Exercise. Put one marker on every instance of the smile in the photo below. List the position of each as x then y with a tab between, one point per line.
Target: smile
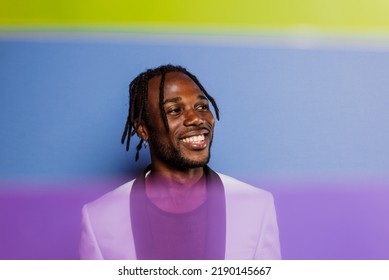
194	139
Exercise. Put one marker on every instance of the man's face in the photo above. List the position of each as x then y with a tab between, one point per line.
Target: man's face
187	144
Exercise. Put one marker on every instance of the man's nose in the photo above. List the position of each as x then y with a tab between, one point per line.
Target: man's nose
192	117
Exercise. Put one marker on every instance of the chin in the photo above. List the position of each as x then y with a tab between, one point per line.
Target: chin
200	157
186	163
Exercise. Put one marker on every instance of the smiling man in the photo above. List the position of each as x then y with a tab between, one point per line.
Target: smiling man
178	208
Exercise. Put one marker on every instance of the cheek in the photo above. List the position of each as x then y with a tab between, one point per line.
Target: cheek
210	119
174	129
156	124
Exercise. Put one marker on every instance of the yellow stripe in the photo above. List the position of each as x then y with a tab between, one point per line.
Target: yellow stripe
364	15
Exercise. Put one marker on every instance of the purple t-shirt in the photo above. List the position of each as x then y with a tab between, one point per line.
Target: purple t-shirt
178	236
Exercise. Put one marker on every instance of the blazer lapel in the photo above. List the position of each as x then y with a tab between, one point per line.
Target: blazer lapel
216	221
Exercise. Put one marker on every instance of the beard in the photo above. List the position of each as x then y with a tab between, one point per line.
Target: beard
173	156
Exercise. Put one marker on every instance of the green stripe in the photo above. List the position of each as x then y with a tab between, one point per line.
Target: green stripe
197	15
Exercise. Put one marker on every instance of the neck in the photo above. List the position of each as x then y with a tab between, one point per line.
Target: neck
176	177
176	191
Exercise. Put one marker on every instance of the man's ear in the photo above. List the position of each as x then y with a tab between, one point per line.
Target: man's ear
142	131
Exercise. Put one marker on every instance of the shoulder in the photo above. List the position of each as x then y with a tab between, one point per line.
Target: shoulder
240	195
111	201
105	230
234	186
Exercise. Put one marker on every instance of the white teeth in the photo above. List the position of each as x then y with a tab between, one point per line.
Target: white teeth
194	139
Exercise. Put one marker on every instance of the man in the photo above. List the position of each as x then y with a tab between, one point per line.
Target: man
178	208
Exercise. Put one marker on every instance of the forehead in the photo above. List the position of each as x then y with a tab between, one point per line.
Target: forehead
175	84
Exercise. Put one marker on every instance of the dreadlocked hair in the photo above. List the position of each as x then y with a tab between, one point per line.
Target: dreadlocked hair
138	94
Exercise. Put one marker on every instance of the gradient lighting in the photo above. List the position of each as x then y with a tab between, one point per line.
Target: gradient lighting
305	119
244	15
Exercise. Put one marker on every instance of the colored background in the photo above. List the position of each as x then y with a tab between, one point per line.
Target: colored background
302	88
228	15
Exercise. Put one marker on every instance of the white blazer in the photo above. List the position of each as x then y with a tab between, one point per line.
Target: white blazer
251	224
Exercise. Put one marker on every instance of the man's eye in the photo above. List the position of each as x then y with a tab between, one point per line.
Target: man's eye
203	107
173	111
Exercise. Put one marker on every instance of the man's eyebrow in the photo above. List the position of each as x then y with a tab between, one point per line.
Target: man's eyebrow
178	98
172	100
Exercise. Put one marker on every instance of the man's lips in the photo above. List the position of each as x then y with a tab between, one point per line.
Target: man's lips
194	133
196	139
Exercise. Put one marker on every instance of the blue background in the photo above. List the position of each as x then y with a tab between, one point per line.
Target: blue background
285	112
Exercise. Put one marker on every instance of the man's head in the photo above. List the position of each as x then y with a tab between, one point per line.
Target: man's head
169	109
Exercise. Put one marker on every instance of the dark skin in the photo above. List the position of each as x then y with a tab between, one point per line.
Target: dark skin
171	186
